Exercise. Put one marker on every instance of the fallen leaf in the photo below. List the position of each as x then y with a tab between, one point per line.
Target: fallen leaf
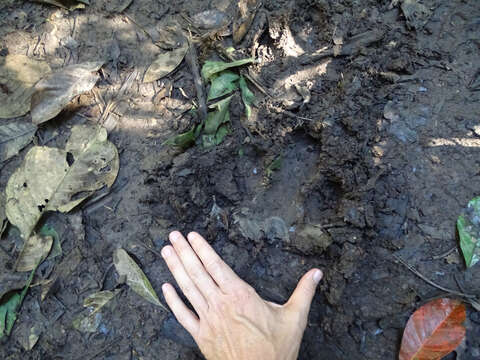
49	231
245	15
51	179
434	330
99	299
18	74
14	137
210	19
212	67
166	62
66	4
247	97
89	320
184	140
135	277
56	90
10	305
222	85
34	251
468	225
212	135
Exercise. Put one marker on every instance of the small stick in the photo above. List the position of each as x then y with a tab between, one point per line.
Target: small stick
192	61
416	272
436	257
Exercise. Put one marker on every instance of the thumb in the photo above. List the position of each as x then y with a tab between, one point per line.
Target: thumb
301	298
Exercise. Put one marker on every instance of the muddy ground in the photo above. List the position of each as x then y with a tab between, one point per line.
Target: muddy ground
378	162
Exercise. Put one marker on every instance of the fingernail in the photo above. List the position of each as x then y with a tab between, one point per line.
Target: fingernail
174	236
166	252
317	276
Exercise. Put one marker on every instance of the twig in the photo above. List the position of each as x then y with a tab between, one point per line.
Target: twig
440	256
192	61
421	276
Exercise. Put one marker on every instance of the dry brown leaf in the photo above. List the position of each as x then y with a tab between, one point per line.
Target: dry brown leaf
56	90
18	74
14	136
166	62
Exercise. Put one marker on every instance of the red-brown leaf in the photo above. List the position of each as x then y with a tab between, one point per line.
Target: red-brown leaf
434	330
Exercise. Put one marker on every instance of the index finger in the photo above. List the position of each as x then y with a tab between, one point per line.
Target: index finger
223	275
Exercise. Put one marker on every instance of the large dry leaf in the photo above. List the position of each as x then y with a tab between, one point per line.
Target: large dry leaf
135	277
34	251
51	179
56	90
166	62
14	137
18	74
434	330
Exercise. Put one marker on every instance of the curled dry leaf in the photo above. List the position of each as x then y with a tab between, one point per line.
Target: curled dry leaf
136	279
434	330
56	90
468	225
18	74
34	251
51	179
166	62
14	136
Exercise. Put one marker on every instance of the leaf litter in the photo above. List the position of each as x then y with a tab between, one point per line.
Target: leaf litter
89	320
56	90
52	179
135	278
34	251
18	75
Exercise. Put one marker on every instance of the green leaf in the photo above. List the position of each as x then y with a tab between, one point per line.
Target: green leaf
212	67
218	117
276	164
10	305
184	140
222	85
248	97
135	277
47	230
468	225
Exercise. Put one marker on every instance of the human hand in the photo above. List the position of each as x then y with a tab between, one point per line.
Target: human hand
233	322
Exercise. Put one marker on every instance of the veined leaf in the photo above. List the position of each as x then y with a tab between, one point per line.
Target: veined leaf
166	62
468	225
99	299
247	96
135	277
212	67
215	124
18	74
56	90
14	137
222	85
51	179
434	330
